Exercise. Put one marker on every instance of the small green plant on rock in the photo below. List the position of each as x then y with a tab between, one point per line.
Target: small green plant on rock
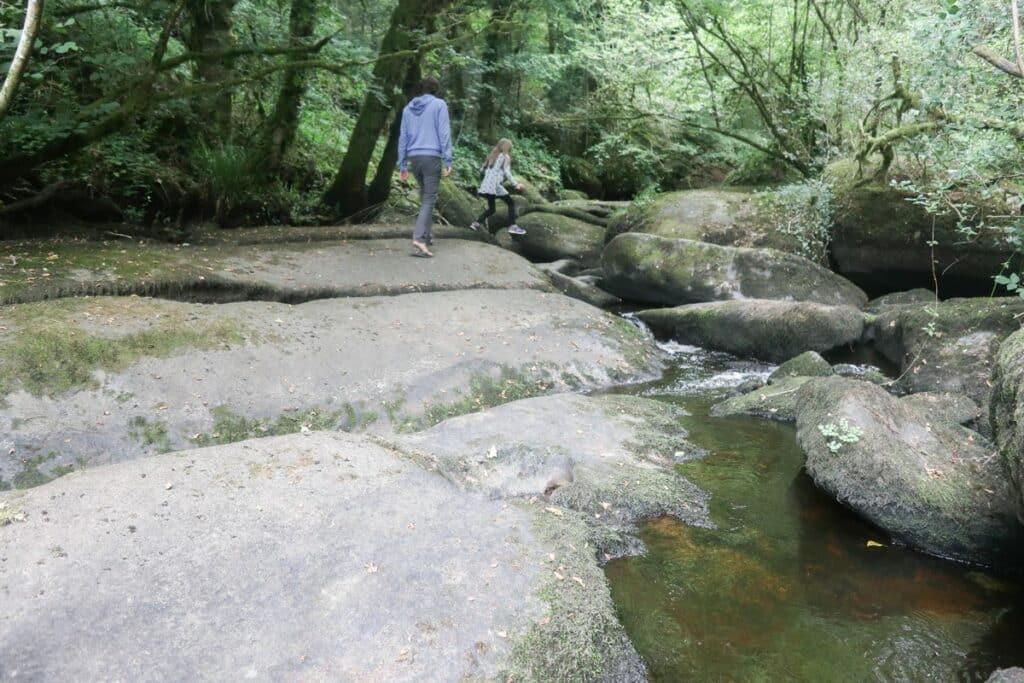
9	514
841	434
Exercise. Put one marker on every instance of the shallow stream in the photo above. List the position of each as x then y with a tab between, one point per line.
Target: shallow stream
792	586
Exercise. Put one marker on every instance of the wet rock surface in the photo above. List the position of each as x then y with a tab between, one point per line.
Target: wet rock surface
930	483
654	269
776	401
770	330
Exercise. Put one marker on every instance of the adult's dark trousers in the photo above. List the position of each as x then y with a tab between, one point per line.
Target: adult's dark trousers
427	171
492	207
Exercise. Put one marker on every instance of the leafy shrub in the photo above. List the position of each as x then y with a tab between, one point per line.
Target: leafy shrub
803	211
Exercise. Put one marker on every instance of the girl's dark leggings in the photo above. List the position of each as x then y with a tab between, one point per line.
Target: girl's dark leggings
491	209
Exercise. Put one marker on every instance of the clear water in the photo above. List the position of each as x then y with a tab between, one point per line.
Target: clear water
791	586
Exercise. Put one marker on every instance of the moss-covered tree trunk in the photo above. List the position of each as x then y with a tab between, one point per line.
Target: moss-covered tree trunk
349	193
280	128
210	31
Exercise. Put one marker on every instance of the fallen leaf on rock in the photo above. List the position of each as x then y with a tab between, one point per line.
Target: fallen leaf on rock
371	568
554	511
874	544
579	581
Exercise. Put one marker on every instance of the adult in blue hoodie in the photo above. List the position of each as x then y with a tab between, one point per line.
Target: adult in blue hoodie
424	143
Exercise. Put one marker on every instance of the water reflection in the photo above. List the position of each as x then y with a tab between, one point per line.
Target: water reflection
791	586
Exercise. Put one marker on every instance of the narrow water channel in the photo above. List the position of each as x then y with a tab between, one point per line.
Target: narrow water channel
791	586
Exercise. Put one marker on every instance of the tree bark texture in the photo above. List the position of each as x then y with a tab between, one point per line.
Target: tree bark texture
349	193
33	15
280	128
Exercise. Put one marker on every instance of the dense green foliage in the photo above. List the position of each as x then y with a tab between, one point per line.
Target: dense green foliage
245	110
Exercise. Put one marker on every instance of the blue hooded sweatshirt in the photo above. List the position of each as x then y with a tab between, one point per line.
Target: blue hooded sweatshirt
426	131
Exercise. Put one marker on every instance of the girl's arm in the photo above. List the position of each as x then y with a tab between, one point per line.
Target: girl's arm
508	172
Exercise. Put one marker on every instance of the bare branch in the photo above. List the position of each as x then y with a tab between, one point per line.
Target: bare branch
997	60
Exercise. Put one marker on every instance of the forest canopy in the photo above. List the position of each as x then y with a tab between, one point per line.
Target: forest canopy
163	111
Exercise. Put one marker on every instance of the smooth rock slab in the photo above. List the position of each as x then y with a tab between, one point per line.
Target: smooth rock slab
307	557
932	484
365	363
609	457
288	272
770	330
678	271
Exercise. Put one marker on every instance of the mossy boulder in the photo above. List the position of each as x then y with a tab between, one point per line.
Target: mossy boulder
776	401
947	346
735	218
807	364
944	405
908	298
457	205
678	271
880	234
770	330
1008	411
550	237
1014	675
931	484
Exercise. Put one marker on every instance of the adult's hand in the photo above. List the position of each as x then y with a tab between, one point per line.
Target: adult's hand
404	176
447	171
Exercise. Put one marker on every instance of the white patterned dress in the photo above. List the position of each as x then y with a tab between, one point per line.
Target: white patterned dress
495	176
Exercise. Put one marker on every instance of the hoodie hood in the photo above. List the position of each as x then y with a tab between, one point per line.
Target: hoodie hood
420	104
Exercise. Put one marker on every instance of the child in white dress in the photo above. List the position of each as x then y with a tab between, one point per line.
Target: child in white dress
496	170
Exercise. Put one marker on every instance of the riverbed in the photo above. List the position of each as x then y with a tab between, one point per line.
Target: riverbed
791	585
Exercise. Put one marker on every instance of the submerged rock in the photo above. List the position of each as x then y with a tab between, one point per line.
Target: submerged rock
609	457
949	346
807	364
1014	675
550	237
770	330
314	556
675	271
1008	411
94	381
930	483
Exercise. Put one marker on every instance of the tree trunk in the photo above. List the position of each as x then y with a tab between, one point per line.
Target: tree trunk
210	31
348	192
380	188
495	79
279	130
33	13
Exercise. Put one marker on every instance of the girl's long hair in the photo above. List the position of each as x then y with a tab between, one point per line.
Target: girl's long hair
504	146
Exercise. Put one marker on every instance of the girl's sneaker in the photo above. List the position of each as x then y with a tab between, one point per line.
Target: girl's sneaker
514	229
475	225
